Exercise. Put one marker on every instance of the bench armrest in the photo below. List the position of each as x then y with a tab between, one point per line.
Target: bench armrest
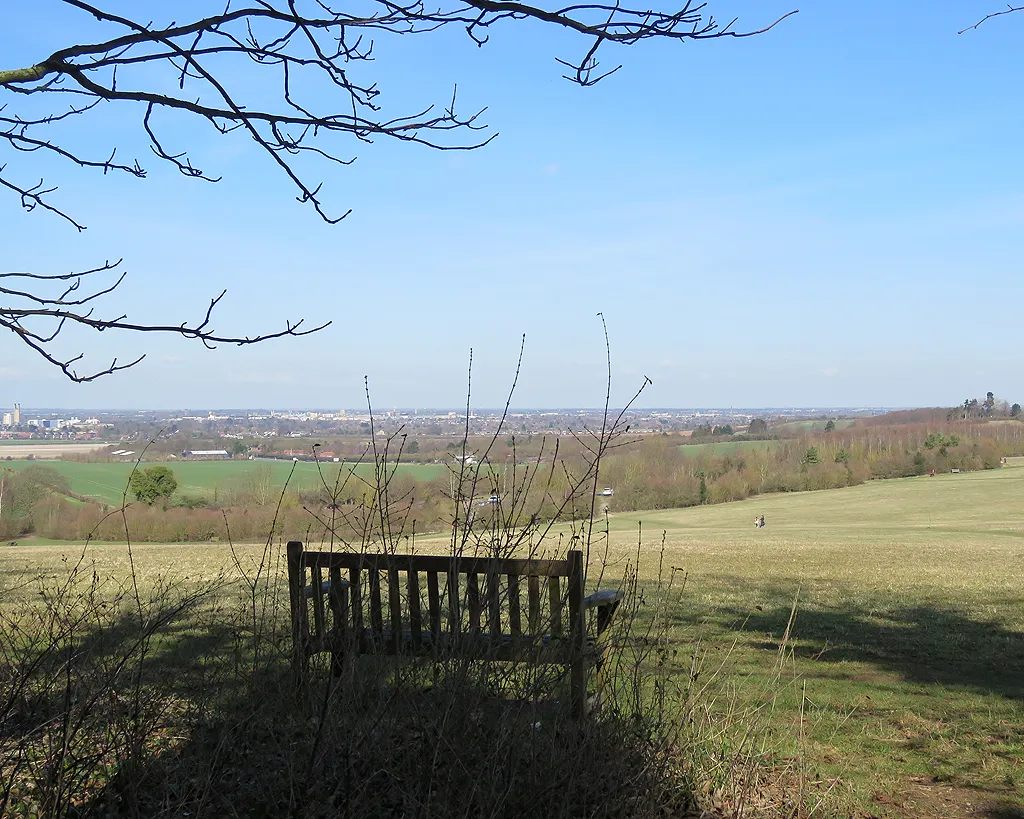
606	602
600	599
325	588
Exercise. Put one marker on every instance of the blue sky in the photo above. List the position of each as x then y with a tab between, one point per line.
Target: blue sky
828	214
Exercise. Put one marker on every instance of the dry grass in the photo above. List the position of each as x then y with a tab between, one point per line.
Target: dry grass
899	687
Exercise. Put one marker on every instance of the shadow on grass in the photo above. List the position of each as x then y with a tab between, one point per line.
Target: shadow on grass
1005	811
199	725
922	643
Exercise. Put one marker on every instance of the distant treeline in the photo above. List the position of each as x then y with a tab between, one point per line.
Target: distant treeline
520	478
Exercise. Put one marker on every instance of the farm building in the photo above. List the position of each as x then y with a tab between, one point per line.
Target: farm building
206	454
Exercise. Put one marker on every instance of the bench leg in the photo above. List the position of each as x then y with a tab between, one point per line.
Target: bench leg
578	687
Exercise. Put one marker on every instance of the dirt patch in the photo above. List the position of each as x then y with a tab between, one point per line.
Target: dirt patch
922	797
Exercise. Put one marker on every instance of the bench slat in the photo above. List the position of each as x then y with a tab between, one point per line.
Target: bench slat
395	604
433	563
376	615
318	602
476	626
515	624
355	592
454	608
415	623
473	602
540	649
434	601
494	604
555	595
338	596
533	591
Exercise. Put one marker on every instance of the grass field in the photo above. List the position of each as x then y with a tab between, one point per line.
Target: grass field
206	479
909	633
816	425
901	690
726	447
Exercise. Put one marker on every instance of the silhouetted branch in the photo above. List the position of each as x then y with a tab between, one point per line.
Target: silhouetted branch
207	68
305	42
1008	10
38	317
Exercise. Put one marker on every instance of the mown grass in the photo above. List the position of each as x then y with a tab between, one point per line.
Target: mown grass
899	692
207	479
904	690
725	447
816	425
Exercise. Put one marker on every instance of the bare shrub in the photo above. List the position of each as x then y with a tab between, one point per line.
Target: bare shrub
177	699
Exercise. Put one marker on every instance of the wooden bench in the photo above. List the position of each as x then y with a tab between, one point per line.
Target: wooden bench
476	608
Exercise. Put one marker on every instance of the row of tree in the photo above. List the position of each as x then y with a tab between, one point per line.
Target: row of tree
655	472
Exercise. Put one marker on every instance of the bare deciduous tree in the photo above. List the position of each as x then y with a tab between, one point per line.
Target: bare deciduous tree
312	53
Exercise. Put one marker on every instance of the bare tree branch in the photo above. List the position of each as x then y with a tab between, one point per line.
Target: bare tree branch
305	43
218	69
37	316
1008	10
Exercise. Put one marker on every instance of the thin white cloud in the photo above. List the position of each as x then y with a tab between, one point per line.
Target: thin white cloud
10	372
830	372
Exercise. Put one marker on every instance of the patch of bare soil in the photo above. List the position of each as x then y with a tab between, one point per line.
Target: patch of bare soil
922	797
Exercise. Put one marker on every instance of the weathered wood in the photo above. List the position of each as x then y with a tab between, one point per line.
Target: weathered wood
376	614
300	627
434	602
494	603
356	593
433	563
476	616
577	635
454	604
606	603
338	596
533	591
395	605
318	604
555	601
473	602
415	623
515	623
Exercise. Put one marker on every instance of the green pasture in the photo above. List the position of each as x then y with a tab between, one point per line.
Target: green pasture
900	690
902	686
207	479
816	425
726	447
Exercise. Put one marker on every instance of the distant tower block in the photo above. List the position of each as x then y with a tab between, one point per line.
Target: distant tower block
17	414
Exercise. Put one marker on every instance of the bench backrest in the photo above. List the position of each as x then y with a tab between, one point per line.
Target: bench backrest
413	602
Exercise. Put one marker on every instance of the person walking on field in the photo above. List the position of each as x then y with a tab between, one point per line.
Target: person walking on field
760	522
